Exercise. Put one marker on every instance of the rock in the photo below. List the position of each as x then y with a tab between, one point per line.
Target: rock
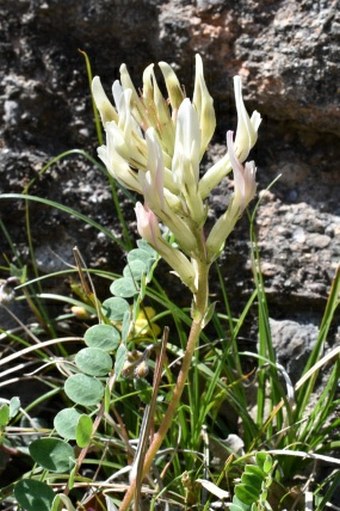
286	56
286	52
318	241
293	343
302	264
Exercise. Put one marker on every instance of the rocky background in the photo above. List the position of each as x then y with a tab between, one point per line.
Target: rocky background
286	53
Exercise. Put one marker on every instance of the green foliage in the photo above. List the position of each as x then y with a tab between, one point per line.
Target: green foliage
84	390
53	454
65	423
252	492
84	431
124	287
33	495
122	354
104	337
114	309
93	361
98	381
14	406
62	501
4	415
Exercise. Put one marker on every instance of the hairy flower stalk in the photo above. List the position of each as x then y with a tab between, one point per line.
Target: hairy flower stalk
154	147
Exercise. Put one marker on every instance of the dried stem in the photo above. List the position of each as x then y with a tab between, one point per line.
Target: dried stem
200	307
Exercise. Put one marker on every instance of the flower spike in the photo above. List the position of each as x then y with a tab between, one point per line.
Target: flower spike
154	146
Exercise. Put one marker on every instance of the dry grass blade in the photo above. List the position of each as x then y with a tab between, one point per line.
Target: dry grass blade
323	361
42	344
86	281
305	455
137	467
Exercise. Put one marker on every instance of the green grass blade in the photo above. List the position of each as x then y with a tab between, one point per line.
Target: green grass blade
266	350
333	302
96	117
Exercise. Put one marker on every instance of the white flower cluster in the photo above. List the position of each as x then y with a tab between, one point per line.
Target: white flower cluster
154	146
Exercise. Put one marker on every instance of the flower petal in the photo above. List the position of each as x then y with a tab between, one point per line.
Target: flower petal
106	109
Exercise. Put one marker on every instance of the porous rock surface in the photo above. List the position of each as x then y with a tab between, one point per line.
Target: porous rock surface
286	53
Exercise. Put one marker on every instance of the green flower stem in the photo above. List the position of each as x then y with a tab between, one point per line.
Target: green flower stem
200	308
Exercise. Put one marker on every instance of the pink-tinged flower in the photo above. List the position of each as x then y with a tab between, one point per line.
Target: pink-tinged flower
148	228
244	191
147	224
154	146
158	197
244	177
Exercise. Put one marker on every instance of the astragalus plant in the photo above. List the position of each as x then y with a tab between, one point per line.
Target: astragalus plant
154	147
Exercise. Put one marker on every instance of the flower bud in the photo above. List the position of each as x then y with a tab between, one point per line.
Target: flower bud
129	140
203	103
187	145
142	369
147	225
153	180
158	111
176	95
137	106
219	233
80	312
246	132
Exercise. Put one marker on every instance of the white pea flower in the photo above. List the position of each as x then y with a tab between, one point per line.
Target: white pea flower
185	163
204	105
